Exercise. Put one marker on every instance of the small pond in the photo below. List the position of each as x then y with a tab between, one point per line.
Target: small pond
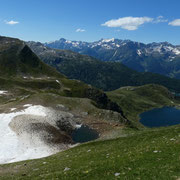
159	117
84	134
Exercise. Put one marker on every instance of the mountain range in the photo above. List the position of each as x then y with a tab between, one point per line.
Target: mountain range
162	58
106	75
41	109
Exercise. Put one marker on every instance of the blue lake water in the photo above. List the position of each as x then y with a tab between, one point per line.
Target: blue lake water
84	134
159	117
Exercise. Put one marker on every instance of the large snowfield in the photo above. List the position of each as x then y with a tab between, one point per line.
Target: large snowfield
11	148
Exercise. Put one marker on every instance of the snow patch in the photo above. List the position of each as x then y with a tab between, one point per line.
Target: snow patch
108	40
106	46
158	48
114	54
117	45
168	48
123	44
78	126
139	52
3	92
69	42
176	51
58	81
171	58
12	150
27	105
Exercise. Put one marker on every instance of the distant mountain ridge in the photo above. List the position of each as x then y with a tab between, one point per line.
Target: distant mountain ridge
103	75
162	58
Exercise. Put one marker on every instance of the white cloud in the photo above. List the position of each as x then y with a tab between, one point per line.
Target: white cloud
160	19
80	30
129	23
176	22
11	22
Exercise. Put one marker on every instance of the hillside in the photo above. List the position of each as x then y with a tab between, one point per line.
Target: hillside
152	154
135	100
20	66
162	58
40	108
16	59
103	75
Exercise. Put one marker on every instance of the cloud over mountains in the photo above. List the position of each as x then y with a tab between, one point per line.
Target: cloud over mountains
129	23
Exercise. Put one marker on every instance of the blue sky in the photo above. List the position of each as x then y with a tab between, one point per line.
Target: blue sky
89	20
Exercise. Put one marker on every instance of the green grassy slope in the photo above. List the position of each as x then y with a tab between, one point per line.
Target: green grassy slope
152	154
135	100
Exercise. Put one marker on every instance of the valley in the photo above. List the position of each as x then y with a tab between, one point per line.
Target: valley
40	109
89	90
107	76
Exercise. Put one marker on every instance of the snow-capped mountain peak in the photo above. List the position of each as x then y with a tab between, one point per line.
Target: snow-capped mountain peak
108	40
164	49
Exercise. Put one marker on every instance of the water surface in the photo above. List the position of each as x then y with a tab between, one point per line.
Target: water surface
84	134
159	117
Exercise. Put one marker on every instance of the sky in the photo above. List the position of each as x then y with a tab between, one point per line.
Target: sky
90	20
